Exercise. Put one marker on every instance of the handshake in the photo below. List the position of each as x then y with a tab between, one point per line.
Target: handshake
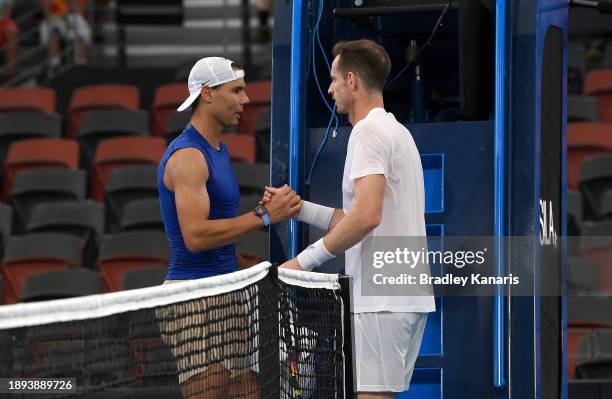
281	203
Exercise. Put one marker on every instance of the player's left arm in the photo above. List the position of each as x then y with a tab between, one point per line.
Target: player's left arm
364	217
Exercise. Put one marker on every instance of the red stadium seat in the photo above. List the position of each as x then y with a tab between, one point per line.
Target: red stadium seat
573	338
132	250
38	153
599	85
122	151
583	140
260	97
241	147
30	254
92	98
27	99
167	99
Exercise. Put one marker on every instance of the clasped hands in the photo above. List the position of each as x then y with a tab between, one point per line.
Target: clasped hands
281	203
286	202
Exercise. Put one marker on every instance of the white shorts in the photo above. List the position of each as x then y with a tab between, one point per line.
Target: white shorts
386	348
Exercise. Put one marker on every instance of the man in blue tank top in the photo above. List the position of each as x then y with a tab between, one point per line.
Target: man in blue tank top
199	199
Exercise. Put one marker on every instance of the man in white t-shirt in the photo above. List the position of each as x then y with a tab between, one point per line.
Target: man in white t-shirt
382	195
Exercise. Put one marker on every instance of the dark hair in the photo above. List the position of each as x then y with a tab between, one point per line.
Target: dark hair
196	102
367	59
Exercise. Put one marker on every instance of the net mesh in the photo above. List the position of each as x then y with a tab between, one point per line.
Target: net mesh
269	338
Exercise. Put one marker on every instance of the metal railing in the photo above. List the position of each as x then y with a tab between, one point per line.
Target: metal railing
32	60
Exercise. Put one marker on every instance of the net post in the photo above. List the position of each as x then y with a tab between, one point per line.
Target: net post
273	273
273	328
347	330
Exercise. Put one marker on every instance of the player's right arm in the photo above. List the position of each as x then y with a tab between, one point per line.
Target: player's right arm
186	174
336	218
323	217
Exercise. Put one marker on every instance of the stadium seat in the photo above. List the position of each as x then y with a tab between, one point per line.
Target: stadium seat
130	250
595	180
122	151
90	98
241	147
598	84
142	214
27	99
607	61
145	277
167	99
176	124
263	135
585	313
248	202
44	185
36	154
254	246
251	179
589	311
582	277
606	204
125	185
83	219
583	140
596	246
574	208
582	109
6	226
104	124
34	253
597	360
61	284
17	126
260	97
577	66
574	221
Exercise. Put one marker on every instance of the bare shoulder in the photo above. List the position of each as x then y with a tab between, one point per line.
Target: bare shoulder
185	166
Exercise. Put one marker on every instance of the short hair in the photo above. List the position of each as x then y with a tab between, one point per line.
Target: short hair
367	59
196	102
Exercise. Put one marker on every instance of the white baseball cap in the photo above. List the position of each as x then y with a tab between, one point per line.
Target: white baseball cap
209	71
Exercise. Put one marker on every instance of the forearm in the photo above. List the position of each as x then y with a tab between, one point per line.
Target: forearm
350	229
220	232
338	216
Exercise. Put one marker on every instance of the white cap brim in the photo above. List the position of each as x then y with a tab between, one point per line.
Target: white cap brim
188	102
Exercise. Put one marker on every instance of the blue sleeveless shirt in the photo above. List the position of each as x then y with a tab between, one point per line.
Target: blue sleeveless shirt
224	201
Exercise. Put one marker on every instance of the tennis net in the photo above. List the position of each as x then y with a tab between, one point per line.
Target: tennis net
257	333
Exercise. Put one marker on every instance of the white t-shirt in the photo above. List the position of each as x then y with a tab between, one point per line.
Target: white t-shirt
379	144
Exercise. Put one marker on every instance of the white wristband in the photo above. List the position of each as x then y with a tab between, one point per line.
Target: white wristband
314	256
316	215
